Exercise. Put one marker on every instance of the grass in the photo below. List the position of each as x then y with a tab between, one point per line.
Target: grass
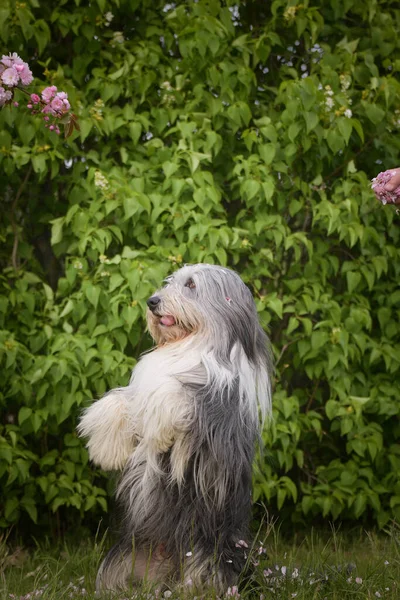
310	566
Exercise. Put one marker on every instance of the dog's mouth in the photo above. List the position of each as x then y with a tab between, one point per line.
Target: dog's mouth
167	321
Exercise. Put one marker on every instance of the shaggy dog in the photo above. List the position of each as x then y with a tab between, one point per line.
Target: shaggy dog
183	433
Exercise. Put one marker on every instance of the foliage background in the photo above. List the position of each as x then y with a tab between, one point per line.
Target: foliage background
207	135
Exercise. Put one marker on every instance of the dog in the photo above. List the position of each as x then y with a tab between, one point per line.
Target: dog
183	433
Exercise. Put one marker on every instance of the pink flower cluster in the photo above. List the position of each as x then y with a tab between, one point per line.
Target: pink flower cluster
378	186
56	102
15	74
53	103
13	71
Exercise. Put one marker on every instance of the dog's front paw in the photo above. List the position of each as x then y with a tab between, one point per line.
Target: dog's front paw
110	437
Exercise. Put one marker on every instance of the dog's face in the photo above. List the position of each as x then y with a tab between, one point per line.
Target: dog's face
203	299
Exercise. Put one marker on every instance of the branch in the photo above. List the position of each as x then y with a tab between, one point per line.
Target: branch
285	347
346	162
14	260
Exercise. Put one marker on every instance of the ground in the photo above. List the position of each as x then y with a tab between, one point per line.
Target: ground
312	565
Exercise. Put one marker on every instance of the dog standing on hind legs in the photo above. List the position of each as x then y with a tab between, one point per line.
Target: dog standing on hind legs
183	433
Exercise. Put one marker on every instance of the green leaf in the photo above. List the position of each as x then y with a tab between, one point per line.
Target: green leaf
353	279
331	409
251	188
39	163
312	120
42	34
28	505
359	505
281	497
345	127
92	293
11	505
267	153
169	168
86	126
56	230
374	113
276	305
335	140
24	413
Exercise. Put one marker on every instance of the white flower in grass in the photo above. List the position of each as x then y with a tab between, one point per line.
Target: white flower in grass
359	580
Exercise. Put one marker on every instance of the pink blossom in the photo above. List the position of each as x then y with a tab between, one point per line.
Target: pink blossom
49	93
5	96
11	59
25	74
35	98
10	77
20	70
56	105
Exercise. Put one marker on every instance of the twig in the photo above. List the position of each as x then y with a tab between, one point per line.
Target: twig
346	162
311	400
285	347
14	260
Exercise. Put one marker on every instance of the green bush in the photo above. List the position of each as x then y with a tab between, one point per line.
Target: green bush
242	134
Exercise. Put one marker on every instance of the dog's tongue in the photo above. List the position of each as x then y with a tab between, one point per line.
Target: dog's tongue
167	321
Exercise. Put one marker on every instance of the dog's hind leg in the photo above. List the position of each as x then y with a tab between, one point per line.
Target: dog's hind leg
213	572
123	567
116	570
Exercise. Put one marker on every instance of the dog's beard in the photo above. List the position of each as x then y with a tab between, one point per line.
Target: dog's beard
166	328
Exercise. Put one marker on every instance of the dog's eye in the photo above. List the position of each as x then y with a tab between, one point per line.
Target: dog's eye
190	284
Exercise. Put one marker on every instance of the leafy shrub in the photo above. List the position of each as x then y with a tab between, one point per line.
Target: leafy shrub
242	134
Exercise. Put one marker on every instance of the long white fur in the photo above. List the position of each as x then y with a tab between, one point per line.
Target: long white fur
136	423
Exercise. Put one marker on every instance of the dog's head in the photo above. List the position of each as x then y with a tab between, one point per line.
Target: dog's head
206	300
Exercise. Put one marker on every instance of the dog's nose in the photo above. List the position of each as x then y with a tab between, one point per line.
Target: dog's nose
153	302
